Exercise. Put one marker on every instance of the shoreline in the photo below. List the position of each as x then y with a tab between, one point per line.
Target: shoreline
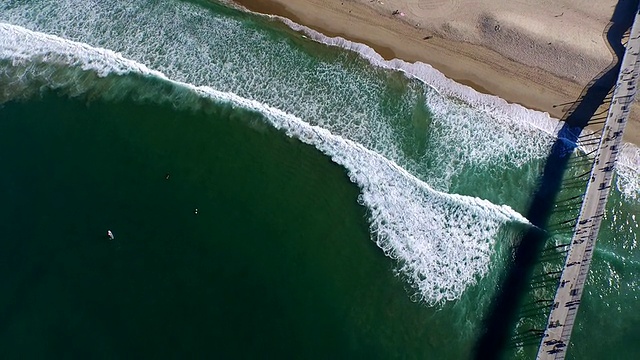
477	66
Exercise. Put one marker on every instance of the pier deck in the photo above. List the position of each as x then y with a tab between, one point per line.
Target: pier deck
567	299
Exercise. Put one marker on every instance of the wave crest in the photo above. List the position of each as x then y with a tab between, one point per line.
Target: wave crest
443	242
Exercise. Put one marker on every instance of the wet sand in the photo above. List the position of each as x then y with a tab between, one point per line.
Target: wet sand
538	55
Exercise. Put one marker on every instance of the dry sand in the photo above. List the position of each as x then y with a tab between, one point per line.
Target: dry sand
535	53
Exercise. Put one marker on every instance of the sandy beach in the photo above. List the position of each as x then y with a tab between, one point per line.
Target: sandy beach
535	54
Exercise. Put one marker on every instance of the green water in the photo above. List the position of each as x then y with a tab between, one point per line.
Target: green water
277	261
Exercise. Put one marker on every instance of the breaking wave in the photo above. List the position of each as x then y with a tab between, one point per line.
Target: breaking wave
627	167
443	242
410	120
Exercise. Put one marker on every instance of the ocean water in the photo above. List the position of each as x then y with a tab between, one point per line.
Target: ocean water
346	206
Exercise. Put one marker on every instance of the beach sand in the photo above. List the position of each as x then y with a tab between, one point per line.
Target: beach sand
537	54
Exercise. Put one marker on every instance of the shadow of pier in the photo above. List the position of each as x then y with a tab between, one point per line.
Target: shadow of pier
504	312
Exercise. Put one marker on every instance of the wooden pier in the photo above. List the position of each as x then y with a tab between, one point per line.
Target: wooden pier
567	299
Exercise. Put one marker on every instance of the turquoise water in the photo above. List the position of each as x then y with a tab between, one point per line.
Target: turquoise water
297	156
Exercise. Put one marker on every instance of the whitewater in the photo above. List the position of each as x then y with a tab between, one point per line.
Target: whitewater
443	242
192	44
410	221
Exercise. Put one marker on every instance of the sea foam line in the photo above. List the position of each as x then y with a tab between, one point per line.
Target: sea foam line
490	104
443	242
432	136
628	166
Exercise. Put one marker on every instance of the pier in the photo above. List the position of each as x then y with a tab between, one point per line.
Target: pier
564	308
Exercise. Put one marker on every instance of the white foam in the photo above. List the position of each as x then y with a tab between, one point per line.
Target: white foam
193	45
473	138
443	242
628	171
179	39
628	166
493	105
343	94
